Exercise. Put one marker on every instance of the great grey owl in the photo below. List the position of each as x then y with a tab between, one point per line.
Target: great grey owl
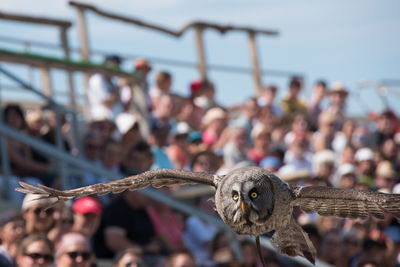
253	201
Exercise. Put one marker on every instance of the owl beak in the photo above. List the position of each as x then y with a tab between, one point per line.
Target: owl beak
242	206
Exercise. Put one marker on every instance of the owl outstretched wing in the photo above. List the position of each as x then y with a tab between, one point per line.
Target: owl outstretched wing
156	178
346	203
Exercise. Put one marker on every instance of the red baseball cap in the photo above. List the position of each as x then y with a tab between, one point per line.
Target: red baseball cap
195	86
87	205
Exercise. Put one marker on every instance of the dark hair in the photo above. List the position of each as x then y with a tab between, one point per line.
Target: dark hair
18	110
163	76
207	153
33	238
172	257
135	251
321	83
295	82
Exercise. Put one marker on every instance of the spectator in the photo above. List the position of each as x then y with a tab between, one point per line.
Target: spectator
181	259
297	156
199	234
384	129
38	214
261	139
104	127
323	138
249	254
365	166
314	106
267	98
299	126
214	122
11	233
167	225
125	224
291	104
330	248
235	150
63	220
111	155
87	216
177	151
73	250
247	117
205	161
91	152
103	93
35	251
385	177
139	159
158	140
271	164
324	166
131	257
21	156
128	126
163	86
337	107
344	137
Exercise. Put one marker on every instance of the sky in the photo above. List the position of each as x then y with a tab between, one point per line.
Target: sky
349	41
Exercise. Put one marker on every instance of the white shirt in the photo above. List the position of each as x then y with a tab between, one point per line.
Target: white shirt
99	91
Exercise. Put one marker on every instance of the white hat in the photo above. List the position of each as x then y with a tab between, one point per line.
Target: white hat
214	114
31	200
324	156
125	122
181	128
364	154
346	168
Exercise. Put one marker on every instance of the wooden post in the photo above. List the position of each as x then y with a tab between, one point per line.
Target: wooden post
71	88
84	47
256	66
46	81
200	52
83	34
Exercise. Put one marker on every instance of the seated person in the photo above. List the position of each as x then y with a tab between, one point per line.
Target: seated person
126	224
73	250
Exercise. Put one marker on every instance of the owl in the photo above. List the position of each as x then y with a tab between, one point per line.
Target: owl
253	201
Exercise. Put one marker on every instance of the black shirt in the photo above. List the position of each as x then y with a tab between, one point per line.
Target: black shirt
137	224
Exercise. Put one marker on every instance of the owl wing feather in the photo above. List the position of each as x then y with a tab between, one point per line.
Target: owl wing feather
156	178
346	203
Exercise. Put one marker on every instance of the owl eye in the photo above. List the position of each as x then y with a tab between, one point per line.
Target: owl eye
235	196
253	195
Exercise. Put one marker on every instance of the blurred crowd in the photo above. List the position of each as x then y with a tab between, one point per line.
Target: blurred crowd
304	141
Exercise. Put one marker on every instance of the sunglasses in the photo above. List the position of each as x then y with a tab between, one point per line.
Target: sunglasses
86	255
135	263
39	211
36	256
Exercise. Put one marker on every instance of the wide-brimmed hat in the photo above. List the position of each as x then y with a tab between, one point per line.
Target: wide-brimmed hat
338	87
214	114
385	169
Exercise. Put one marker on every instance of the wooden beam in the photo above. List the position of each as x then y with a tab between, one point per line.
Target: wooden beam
176	33
37	20
202	65
46	81
256	66
47	62
71	87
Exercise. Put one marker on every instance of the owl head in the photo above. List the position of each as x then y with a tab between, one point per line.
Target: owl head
245	197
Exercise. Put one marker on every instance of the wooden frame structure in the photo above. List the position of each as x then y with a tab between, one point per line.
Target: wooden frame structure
63	27
198	26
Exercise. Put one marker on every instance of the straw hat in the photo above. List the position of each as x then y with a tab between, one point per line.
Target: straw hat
338	87
385	169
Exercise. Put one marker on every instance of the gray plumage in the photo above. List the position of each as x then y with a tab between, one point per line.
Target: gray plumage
253	201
